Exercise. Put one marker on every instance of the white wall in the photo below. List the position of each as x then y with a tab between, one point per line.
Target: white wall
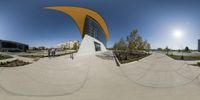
87	46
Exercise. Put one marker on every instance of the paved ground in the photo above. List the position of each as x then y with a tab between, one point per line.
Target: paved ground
193	53
156	77
158	70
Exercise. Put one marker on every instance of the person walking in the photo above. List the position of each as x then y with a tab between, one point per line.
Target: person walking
53	52
49	52
71	56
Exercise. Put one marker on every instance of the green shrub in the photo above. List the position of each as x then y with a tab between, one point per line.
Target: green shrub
198	63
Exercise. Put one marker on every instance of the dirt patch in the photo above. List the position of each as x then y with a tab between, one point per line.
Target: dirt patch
126	57
14	63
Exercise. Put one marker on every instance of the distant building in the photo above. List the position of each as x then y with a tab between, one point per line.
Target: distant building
68	44
11	46
199	45
33	48
41	48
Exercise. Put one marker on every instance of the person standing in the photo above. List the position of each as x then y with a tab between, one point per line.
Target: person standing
72	56
53	52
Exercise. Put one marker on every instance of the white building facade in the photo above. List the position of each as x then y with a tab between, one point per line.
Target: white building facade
68	44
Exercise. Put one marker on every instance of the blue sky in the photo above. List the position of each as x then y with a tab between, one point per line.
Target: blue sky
27	21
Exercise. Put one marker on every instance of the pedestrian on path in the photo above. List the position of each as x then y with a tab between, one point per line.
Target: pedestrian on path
71	56
49	52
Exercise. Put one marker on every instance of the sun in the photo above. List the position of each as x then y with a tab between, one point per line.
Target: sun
177	33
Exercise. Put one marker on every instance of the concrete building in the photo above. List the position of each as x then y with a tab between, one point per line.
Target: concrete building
199	45
68	44
11	46
93	28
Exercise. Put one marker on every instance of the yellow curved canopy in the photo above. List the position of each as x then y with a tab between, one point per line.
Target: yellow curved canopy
79	14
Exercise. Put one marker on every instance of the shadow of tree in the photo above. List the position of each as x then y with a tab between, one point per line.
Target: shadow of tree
105	56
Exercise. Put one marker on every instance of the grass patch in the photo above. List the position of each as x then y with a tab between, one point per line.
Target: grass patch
179	57
2	57
14	63
126	57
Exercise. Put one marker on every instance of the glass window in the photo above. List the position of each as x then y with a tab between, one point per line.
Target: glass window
93	29
97	46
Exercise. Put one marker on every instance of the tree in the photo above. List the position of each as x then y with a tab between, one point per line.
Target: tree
120	45
146	45
159	49
140	43
75	46
115	46
167	49
187	49
133	40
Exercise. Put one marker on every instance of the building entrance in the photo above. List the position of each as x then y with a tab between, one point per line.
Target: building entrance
97	46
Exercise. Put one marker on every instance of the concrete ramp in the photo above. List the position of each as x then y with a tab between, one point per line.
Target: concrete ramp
47	77
98	78
158	70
